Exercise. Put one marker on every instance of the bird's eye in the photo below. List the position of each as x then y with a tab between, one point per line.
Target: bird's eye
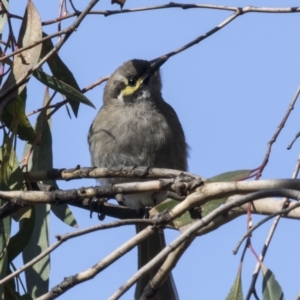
131	81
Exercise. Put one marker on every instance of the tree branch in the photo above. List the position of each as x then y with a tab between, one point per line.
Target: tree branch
68	33
63	238
189	232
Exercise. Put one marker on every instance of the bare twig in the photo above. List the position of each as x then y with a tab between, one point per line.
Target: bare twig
289	147
63	238
190	232
92	172
97	268
184	6
279	213
276	134
68	33
271	232
165	270
98	82
264	206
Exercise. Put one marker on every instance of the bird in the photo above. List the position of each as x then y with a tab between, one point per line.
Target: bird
136	127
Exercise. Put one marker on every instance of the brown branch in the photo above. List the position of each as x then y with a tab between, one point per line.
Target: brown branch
68	33
271	233
117	172
184	6
189	232
277	132
3	58
90	273
199	194
164	271
264	206
25	198
63	238
91	86
279	213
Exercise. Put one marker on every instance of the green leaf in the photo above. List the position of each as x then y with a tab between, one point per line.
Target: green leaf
6	169
64	213
228	176
30	32
60	71
15	113
236	291
11	293
37	277
62	87
231	176
168	204
4	239
270	287
11	177
20	240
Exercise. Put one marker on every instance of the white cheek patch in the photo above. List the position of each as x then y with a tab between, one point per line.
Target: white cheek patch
120	97
144	95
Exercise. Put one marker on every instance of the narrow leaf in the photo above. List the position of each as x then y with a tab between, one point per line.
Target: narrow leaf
270	286
231	176
15	112
37	277
228	176
62	87
236	291
64	213
168	204
20	240
7	167
60	71
30	32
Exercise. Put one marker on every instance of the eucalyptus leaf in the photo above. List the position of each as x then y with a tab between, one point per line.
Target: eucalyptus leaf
62	87
60	71
270	286
15	114
37	277
236	291
228	176
168	204
30	32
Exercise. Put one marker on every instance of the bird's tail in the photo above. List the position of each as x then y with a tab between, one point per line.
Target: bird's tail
147	250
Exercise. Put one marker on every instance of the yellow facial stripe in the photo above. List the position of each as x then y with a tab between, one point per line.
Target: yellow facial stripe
129	90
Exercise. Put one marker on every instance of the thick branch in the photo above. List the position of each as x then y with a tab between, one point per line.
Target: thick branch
92	172
190	232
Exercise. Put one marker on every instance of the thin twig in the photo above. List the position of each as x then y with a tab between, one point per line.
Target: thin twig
276	134
283	212
184	6
91	86
90	273
271	233
68	236
188	233
164	271
68	33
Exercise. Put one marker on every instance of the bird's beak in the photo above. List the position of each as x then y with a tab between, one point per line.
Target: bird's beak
154	66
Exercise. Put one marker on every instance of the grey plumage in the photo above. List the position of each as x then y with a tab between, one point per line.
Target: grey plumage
136	127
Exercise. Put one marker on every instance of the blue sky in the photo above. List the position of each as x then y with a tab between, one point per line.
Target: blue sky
230	92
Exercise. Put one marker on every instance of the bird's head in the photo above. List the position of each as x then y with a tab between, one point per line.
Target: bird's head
136	80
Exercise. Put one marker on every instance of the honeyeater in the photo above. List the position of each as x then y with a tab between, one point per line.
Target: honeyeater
136	127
